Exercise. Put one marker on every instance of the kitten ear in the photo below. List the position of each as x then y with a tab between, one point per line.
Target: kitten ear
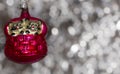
39	22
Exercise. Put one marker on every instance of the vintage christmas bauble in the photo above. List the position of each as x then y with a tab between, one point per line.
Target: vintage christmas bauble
25	39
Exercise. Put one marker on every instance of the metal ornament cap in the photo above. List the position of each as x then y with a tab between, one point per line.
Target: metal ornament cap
25	39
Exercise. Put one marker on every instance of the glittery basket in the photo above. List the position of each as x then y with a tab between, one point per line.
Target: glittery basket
25	42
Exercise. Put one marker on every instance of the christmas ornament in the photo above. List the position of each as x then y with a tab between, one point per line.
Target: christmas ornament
25	38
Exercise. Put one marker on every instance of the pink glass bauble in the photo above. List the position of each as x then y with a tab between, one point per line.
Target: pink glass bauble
25	39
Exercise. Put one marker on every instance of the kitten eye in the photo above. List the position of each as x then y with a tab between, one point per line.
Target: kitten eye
39	28
13	28
16	26
19	25
27	31
13	34
33	26
36	33
21	32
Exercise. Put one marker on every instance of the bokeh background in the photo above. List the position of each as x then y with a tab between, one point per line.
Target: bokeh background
83	36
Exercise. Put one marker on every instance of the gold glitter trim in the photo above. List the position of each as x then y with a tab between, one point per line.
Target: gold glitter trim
24	27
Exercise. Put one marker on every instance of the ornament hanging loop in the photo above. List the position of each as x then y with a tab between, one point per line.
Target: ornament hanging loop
24	4
24	7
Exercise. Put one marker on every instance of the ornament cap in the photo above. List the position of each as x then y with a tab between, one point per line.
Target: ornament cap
25	13
24	4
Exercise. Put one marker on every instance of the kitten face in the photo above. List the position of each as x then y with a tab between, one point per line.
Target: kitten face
24	27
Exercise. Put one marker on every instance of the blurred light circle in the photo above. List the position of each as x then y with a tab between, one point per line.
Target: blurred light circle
91	71
118	25
74	48
109	70
83	43
55	31
71	30
114	65
10	2
65	65
81	54
107	10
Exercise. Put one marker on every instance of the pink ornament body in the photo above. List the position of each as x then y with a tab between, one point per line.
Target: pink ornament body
25	48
